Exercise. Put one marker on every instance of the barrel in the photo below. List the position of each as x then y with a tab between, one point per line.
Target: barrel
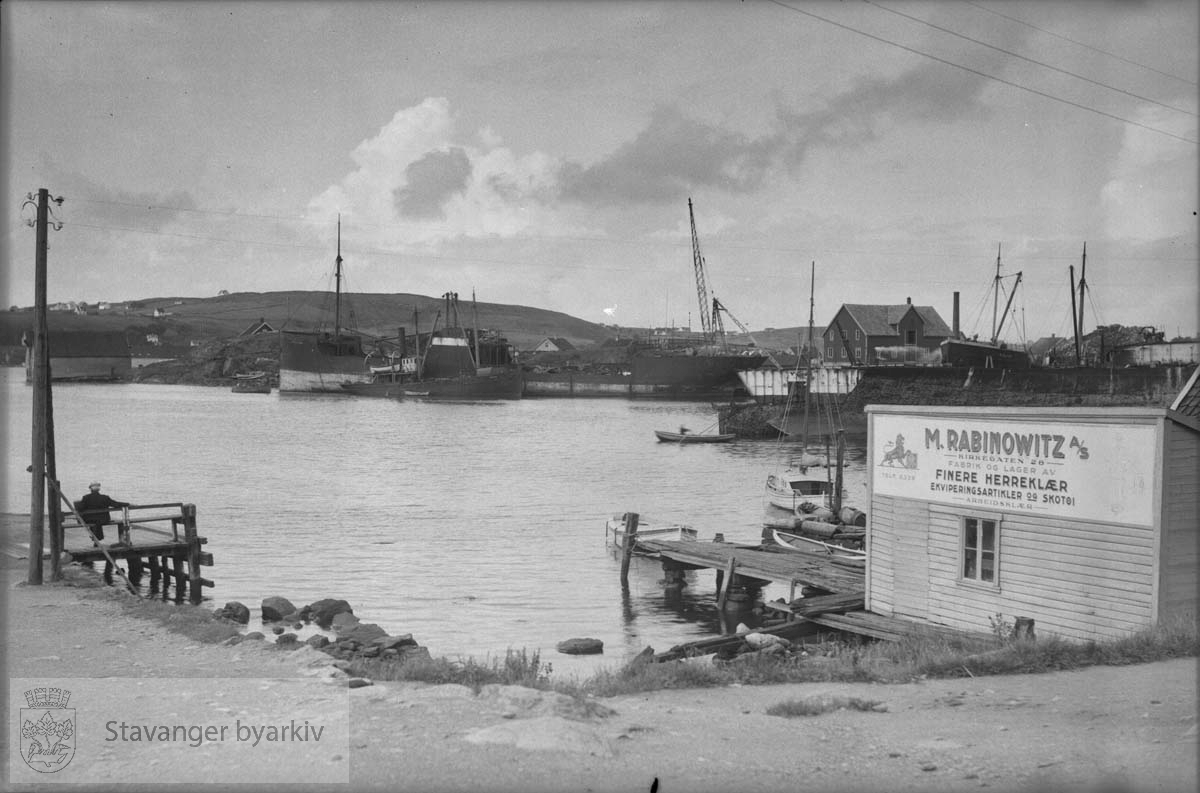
818	528
853	517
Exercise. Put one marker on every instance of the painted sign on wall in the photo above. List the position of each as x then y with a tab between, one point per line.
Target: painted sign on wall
1101	472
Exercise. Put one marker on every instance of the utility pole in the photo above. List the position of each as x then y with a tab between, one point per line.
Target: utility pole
41	382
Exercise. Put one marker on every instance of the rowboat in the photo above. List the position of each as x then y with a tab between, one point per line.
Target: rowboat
691	437
647	530
252	383
795	542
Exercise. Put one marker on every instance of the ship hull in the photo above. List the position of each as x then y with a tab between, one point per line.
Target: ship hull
700	377
497	385
959	352
313	363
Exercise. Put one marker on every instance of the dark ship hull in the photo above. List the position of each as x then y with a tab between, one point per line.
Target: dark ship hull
651	375
320	362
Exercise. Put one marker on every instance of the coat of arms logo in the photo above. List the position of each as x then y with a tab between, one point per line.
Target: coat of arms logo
47	730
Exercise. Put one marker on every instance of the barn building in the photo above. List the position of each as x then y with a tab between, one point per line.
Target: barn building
1084	520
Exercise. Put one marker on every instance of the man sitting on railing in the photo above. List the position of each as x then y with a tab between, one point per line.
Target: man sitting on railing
94	509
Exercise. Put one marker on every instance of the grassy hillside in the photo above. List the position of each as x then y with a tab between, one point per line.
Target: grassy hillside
186	320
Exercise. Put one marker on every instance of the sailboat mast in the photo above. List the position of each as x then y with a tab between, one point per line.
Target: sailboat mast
337	301
996	294
812	285
1082	286
475	323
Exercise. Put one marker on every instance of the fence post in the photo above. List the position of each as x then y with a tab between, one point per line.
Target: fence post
193	554
631	525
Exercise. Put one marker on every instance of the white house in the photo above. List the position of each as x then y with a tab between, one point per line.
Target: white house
1084	520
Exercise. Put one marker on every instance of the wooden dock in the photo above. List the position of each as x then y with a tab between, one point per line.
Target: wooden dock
835	599
815	570
168	555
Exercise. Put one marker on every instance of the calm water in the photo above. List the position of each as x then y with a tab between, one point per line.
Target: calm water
476	527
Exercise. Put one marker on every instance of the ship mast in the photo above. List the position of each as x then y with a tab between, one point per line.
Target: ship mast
808	352
337	302
996	293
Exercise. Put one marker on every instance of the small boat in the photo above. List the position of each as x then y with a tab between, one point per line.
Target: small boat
457	363
795	542
684	436
802	491
647	530
251	383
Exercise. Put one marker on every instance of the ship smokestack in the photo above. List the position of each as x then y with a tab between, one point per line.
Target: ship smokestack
956	334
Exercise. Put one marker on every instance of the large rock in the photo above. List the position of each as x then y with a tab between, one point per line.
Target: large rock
363	633
343	623
276	608
581	646
235	611
323	611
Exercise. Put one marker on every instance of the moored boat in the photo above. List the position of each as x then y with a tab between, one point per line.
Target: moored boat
684	436
251	383
614	531
457	364
796	542
321	361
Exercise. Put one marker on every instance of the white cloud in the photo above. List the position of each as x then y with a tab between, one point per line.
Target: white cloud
1153	191
502	194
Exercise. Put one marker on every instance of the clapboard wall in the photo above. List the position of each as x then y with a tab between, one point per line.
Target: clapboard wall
1078	579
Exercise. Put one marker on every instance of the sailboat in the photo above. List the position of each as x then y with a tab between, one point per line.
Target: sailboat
809	488
320	361
992	354
456	363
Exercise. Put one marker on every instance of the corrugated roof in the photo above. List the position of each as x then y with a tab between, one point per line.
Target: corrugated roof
882	320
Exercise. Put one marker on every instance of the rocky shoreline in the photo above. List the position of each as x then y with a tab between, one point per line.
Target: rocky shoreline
354	639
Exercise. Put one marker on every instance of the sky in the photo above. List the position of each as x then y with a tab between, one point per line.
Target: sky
545	153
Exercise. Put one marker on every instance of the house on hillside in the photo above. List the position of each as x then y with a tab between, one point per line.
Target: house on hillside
866	335
261	326
1078	523
554	344
83	355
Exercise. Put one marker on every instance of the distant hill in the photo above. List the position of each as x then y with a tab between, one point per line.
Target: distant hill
184	321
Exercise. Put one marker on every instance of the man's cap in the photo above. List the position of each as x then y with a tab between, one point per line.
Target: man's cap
94	484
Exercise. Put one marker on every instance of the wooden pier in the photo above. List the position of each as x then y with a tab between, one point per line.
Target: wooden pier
793	568
167	555
832	593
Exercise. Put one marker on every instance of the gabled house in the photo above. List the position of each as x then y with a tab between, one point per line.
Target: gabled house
861	335
262	326
554	344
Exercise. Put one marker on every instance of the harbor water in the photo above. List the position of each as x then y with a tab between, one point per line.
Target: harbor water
476	527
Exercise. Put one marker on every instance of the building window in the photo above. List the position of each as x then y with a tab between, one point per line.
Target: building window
829	352
856	334
910	337
980	547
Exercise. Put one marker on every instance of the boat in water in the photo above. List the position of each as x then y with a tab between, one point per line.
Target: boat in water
682	365
453	363
686	436
810	487
991	354
614	531
322	361
251	383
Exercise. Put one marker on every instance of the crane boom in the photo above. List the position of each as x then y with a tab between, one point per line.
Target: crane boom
717	308
706	324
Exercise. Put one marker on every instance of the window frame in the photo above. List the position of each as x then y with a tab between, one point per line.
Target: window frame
979	518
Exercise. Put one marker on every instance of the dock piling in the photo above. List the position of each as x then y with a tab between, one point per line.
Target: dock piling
631	525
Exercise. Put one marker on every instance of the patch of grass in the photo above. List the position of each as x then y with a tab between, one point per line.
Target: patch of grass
815	706
517	668
194	622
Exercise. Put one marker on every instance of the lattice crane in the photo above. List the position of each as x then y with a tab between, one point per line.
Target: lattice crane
706	322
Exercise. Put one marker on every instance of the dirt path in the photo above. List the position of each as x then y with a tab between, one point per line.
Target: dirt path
1106	728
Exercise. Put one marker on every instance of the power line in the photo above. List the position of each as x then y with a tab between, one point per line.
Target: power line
985	75
1030	60
1081	44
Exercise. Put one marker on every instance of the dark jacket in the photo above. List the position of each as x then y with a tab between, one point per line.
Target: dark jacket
94	509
